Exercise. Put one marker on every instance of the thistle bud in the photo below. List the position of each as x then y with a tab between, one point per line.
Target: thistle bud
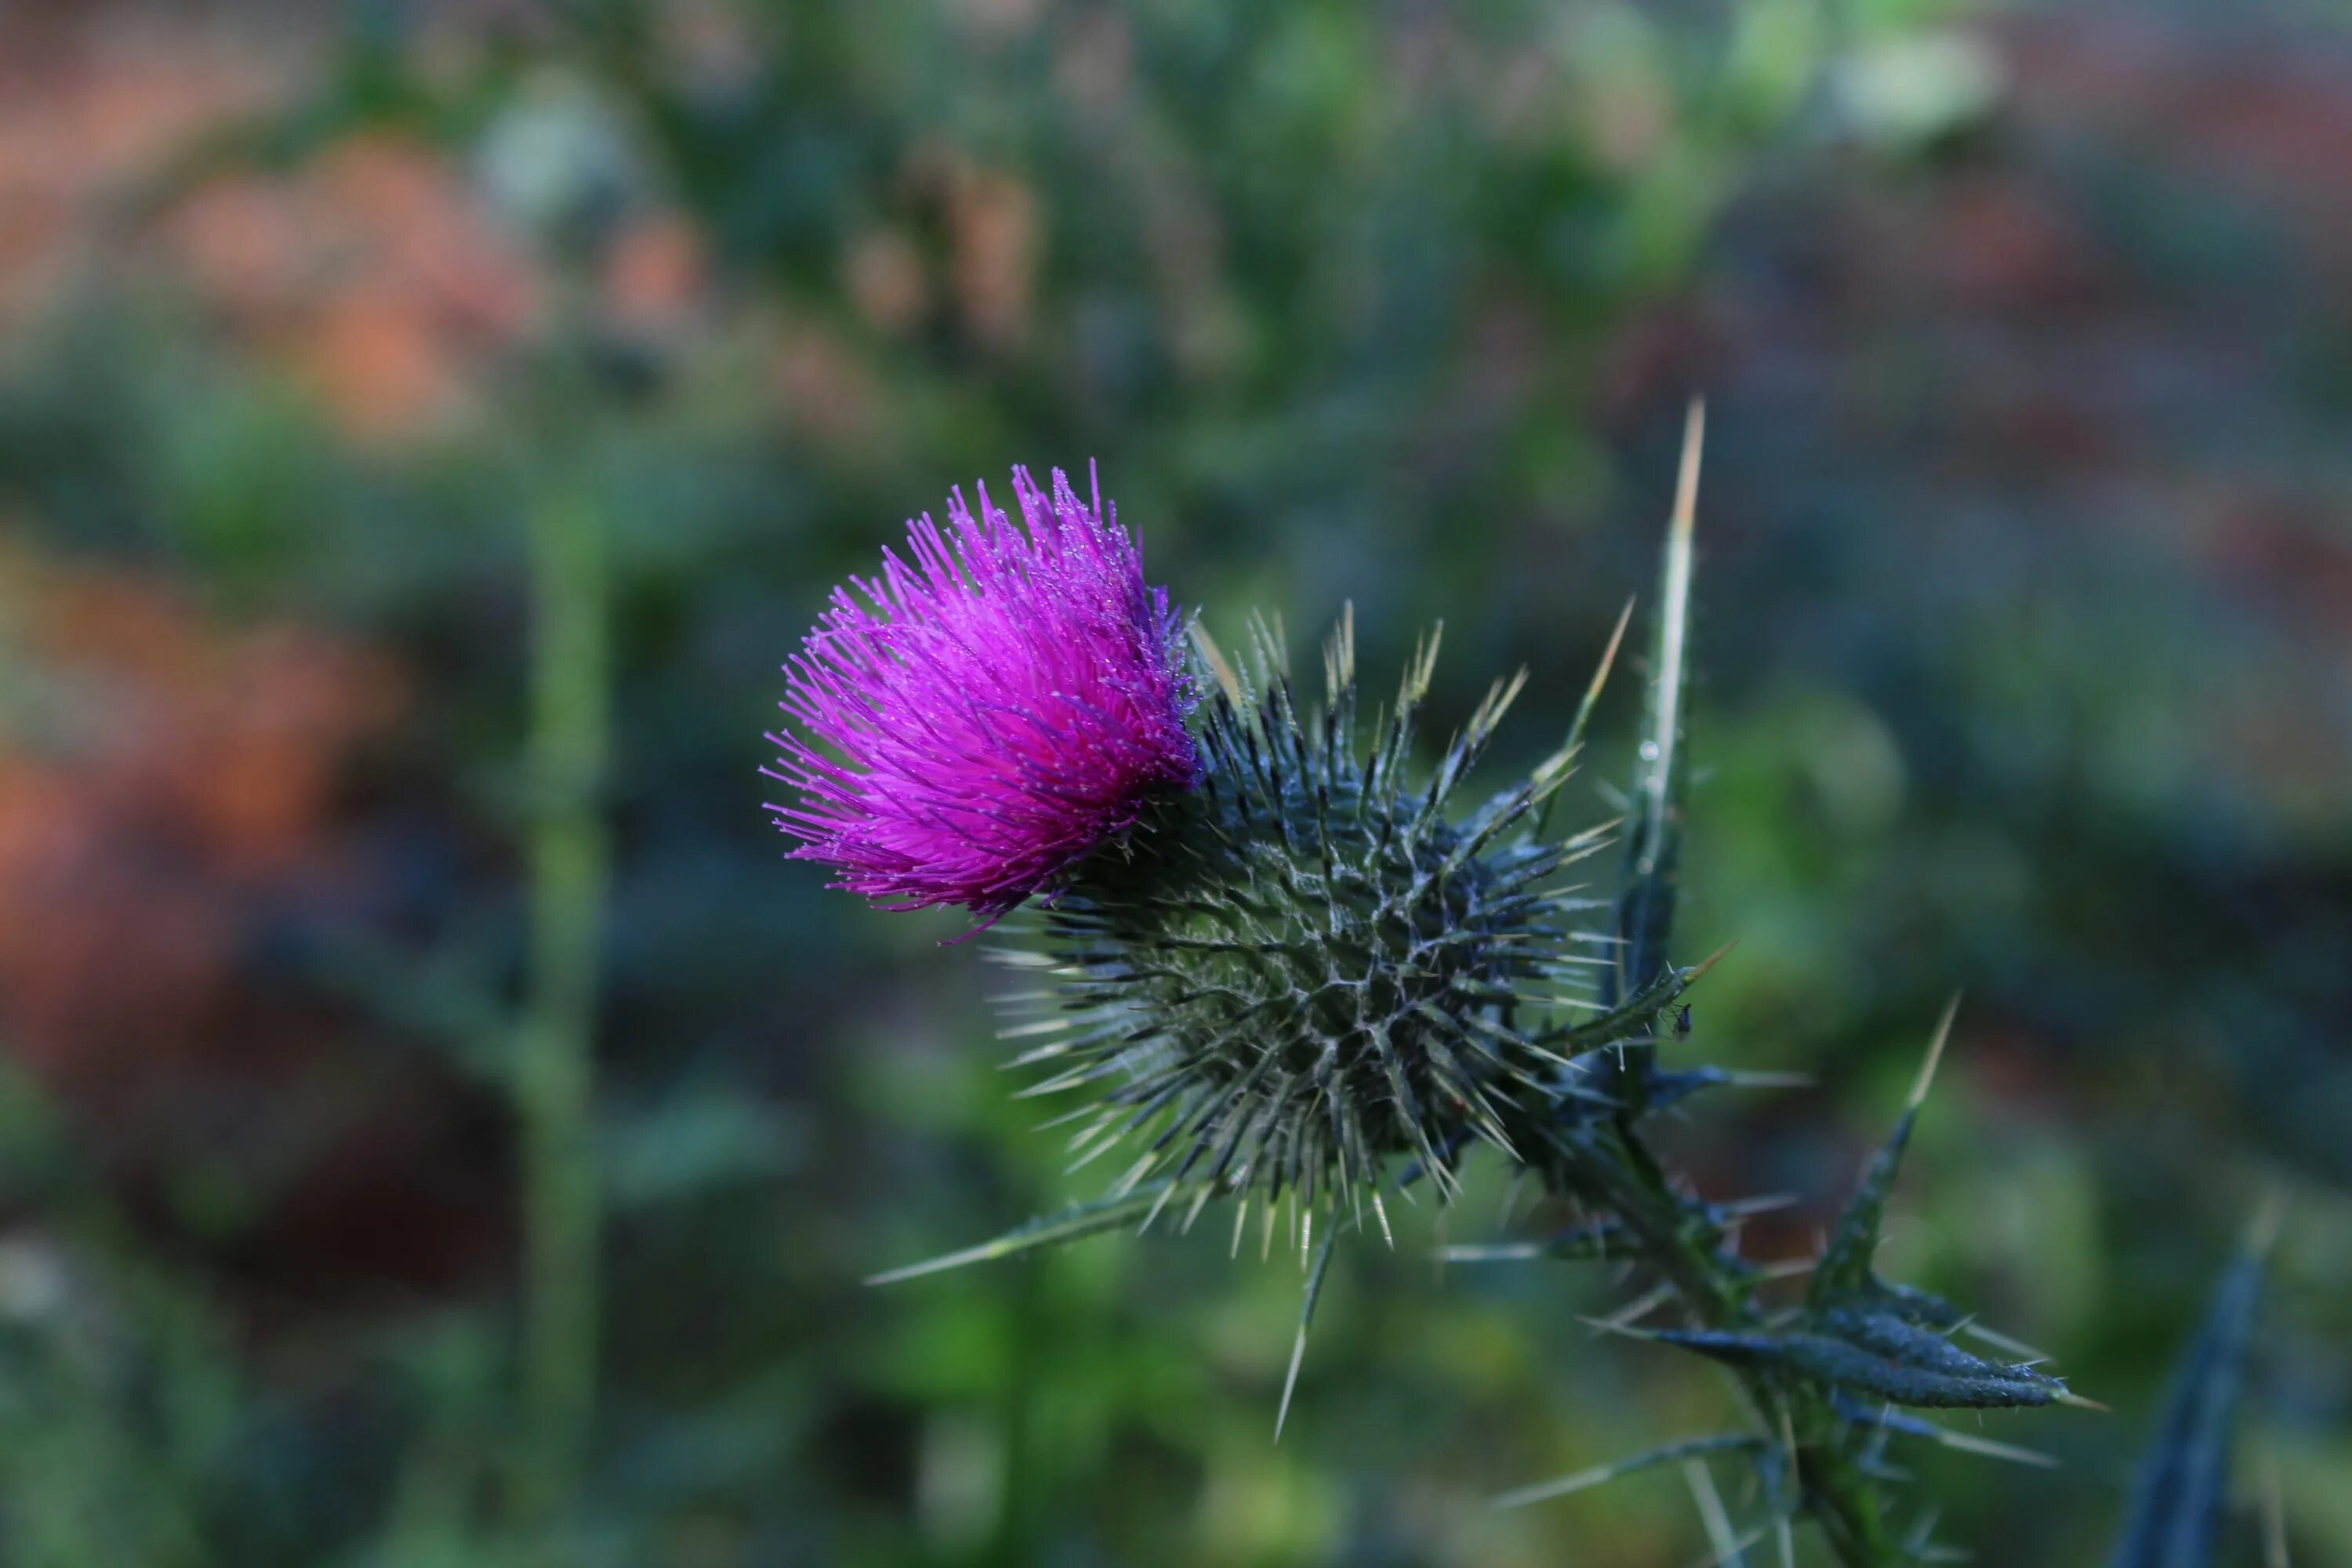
1308	965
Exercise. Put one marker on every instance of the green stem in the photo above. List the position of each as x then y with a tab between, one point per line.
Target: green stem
1610	1163
1714	1288
554	1085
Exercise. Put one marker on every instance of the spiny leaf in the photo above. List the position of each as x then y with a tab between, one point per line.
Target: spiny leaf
1633	1019
1645	907
1881	1355
1845	1268
1046	1230
2176	1502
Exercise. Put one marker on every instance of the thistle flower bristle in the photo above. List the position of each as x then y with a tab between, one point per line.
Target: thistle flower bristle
993	706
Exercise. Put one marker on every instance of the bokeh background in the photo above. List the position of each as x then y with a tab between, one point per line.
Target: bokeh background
425	427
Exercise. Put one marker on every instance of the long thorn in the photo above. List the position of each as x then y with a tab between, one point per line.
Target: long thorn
1935	1053
1717	1523
1582	1481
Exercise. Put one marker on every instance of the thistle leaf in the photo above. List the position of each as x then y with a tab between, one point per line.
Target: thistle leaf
1882	1355
1862	1335
2177	1499
1845	1269
1046	1230
1645	906
1631	1021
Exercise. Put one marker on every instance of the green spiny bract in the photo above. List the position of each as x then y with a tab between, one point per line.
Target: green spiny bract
1307	967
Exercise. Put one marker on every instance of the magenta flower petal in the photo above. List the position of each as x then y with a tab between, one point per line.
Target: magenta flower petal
971	722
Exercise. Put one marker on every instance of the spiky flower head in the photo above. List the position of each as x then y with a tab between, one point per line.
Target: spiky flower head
1315	968
995	705
1276	950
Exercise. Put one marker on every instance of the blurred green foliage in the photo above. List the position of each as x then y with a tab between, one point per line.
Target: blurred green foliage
2023	670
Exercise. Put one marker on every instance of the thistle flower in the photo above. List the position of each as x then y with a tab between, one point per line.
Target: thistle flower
978	717
1269	953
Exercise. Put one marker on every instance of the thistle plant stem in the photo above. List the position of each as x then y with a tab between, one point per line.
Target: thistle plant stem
554	1086
1609	1162
1713	1288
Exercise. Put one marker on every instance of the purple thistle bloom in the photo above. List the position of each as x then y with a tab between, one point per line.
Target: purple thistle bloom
991	711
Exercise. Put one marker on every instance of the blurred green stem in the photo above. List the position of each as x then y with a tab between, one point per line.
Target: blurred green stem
554	1085
1717	1291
